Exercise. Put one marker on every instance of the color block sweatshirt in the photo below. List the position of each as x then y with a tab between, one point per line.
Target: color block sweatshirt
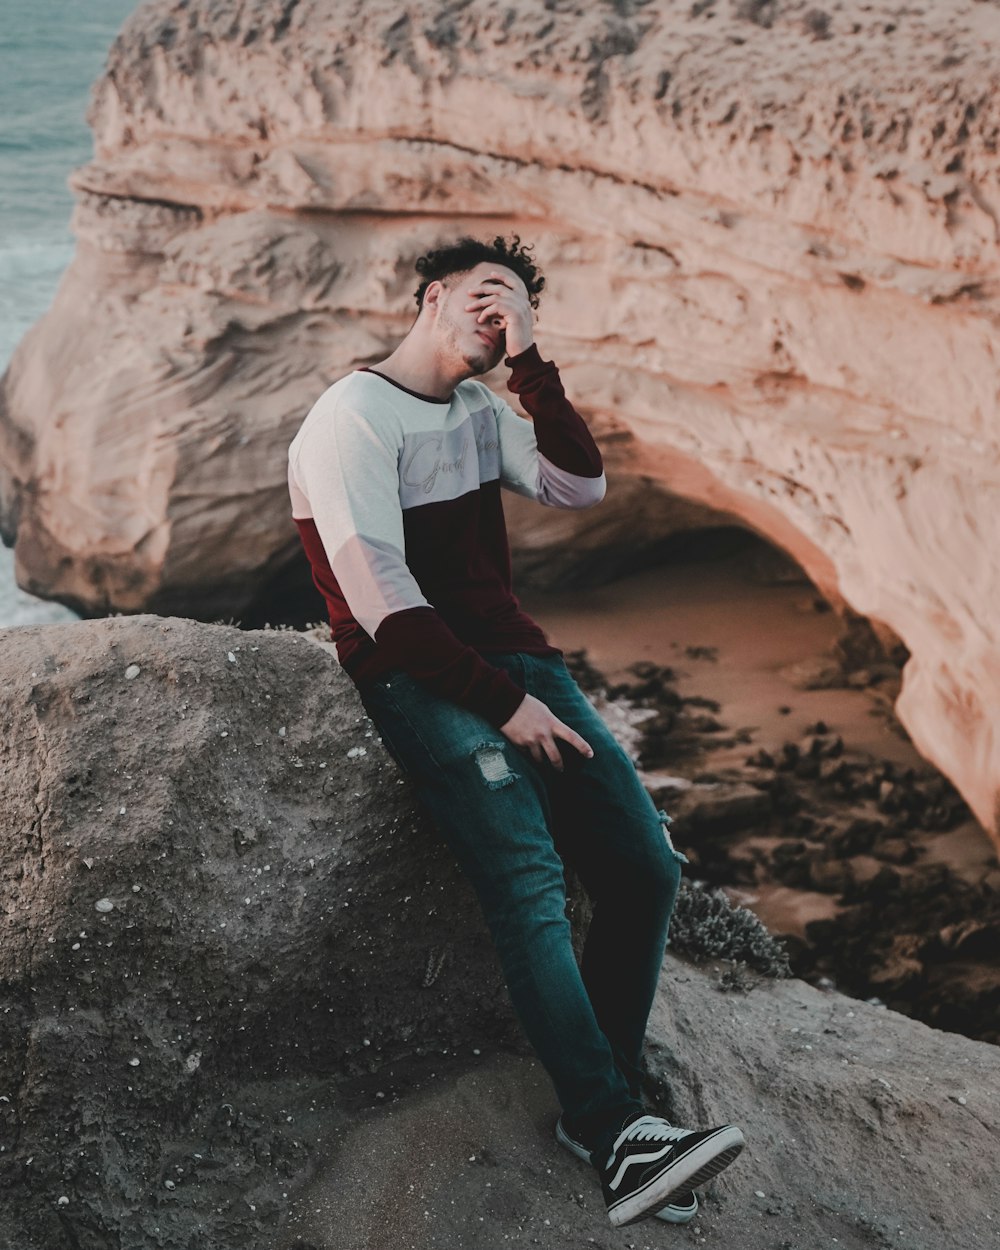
396	497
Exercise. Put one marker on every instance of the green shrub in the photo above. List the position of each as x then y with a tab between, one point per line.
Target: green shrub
706	925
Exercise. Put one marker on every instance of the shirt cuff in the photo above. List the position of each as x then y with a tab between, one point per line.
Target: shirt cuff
525	359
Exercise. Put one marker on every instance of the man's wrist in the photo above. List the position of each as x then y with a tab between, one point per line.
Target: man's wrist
521	355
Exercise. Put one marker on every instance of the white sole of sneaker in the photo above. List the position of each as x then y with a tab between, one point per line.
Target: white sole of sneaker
706	1160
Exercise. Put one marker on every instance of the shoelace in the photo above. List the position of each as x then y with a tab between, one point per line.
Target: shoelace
647	1128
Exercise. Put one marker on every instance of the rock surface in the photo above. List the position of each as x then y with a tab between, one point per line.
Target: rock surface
854	1119
225	793
770	232
291	990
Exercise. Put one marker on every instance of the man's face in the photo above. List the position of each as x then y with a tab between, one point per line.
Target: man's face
480	344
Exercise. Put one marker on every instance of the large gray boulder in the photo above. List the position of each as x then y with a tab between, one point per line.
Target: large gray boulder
212	874
248	1001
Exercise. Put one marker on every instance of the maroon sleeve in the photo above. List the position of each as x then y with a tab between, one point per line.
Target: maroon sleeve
419	641
561	433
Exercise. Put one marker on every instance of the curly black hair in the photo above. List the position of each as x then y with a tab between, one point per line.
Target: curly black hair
467	252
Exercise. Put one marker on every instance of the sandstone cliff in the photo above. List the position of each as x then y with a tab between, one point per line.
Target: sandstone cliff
770	233
246	992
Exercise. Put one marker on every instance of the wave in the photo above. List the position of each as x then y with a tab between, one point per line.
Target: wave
29	274
43	258
17	607
49	128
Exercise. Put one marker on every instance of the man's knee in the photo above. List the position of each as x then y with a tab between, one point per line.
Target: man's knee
655	872
676	857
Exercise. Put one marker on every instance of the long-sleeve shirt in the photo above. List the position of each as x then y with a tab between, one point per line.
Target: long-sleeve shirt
396	497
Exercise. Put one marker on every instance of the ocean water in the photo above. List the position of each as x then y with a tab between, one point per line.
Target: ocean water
51	51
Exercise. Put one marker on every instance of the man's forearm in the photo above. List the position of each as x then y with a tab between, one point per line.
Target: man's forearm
418	641
561	433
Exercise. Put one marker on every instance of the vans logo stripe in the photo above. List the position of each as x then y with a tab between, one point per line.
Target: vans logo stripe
627	1163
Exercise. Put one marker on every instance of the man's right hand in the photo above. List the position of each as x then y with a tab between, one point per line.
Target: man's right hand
535	728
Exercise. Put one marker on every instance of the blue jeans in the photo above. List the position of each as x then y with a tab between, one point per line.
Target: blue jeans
512	824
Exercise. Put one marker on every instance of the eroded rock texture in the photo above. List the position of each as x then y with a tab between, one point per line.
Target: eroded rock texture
770	234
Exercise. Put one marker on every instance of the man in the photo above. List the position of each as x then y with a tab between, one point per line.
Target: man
395	480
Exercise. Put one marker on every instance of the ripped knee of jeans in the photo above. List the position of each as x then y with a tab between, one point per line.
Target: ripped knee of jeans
666	821
492	764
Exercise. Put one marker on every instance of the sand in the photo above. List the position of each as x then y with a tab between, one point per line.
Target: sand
753	634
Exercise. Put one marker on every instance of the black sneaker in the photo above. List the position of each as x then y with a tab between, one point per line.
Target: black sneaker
682	1207
653	1162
